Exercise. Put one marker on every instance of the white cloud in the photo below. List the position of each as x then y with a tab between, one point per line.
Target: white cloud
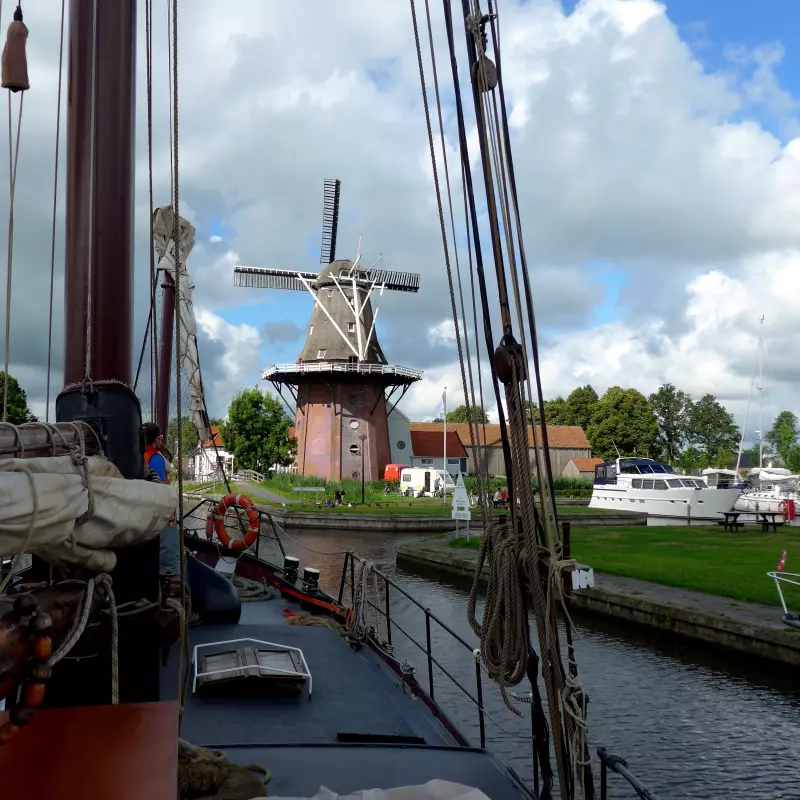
627	154
235	362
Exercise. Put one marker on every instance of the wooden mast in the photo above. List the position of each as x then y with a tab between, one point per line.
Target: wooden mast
100	189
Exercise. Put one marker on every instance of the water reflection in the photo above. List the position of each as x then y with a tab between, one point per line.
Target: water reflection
692	723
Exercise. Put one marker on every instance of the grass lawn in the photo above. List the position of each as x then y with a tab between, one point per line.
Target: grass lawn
705	559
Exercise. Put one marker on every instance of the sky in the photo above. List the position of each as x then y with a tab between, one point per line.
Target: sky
657	152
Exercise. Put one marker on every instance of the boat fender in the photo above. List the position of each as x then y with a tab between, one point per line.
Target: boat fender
15	60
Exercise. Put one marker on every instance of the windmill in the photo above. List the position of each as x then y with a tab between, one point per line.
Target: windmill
341	383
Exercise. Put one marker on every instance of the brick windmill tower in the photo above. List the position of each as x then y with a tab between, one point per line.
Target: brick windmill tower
342	383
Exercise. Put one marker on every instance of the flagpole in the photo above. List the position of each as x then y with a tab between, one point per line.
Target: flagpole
444	447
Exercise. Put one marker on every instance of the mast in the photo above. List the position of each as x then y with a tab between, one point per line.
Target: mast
750	397
761	394
100	152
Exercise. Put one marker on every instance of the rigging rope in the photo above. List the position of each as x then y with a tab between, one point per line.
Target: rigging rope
184	677
55	206
441	212
513	553
13	160
151	322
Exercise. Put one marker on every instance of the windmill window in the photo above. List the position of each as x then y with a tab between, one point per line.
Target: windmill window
351	327
355	475
330	292
321	353
354	424
401	445
344	273
354	449
310	329
353	399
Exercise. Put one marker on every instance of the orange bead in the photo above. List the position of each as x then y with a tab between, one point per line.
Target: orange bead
34	695
43	648
7	732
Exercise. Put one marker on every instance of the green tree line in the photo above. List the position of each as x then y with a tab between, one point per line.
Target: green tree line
668	425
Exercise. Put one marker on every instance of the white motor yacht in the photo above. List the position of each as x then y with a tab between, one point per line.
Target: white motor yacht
648	486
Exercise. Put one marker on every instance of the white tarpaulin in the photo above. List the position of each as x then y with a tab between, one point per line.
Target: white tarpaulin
163	222
432	790
124	512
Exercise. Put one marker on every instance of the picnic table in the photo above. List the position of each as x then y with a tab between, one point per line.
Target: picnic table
766	519
769	519
731	521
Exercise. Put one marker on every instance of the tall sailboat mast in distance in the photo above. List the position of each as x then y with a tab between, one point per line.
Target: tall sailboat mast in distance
758	366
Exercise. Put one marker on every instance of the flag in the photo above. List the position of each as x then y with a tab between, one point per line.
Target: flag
782	562
441	412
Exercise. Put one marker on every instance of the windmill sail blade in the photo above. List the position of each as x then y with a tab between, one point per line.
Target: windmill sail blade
330	220
396	281
260	278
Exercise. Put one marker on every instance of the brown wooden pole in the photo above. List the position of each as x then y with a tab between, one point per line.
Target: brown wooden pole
165	360
101	101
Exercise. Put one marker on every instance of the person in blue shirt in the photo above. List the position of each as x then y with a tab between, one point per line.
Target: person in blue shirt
170	545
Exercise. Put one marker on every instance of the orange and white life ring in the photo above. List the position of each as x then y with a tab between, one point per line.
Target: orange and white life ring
253	521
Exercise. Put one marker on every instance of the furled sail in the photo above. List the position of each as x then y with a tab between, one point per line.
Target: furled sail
163	228
68	514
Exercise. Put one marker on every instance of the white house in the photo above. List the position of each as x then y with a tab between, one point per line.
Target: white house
428	451
207	458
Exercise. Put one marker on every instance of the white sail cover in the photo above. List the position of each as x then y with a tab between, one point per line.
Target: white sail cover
163	224
125	512
432	790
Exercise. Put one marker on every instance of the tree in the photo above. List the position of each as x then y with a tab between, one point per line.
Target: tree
690	460
672	408
257	431
581	403
622	420
17	411
556	412
189	437
465	413
784	433
712	430
793	458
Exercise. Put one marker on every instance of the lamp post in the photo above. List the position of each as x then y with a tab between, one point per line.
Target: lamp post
363	438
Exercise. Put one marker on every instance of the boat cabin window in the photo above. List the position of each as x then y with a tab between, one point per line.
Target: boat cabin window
647	484
630	469
688	484
659	484
636	483
675	483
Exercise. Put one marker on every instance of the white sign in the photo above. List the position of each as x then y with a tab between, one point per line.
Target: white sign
461	508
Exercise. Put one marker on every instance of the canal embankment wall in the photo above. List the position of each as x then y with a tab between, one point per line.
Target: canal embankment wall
748	628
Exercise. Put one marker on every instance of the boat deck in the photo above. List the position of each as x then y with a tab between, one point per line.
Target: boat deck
358	730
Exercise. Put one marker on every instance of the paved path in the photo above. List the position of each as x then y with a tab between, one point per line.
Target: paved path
747	613
260	493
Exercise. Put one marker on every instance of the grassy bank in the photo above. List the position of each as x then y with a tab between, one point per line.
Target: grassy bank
285	484
705	559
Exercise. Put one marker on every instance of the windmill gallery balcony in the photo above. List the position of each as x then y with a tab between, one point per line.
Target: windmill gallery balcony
392	375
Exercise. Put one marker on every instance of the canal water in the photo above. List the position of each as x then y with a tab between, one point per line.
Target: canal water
691	722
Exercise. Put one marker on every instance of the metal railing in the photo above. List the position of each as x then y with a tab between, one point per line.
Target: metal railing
341	367
427	648
620	766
